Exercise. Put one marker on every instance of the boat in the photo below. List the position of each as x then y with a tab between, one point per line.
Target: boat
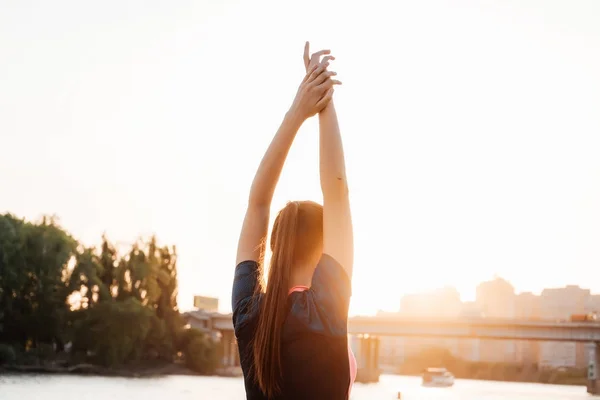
437	377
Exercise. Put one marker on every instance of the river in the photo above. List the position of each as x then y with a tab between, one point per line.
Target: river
67	387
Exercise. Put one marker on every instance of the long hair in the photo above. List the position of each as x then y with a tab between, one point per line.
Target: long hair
297	233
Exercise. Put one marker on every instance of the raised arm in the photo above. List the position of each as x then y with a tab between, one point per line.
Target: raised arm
338	237
313	95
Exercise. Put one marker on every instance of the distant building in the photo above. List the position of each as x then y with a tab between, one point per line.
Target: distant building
470	309
199	319
527	307
559	304
220	332
496	299
593	304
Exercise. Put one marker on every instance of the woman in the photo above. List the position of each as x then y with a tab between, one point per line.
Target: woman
292	335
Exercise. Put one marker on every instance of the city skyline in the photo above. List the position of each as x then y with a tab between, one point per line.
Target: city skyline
497	299
447	294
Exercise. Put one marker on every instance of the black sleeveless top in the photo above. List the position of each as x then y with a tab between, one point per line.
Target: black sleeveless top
314	347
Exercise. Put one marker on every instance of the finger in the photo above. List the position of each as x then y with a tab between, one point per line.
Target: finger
317	56
323	77
325	100
306	56
320	53
315	59
328	84
309	74
316	72
326	93
326	59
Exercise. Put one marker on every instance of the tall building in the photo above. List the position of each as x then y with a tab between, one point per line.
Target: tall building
593	305
527	307
470	309
559	304
496	299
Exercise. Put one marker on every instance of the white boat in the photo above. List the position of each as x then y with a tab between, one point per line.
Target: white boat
437	377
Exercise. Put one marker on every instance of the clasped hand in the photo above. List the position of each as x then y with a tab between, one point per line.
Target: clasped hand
316	89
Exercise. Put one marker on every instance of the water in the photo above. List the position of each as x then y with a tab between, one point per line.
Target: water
53	387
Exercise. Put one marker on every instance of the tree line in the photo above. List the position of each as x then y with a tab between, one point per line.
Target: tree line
63	301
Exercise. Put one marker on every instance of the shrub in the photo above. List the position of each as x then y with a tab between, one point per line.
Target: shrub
200	353
8	355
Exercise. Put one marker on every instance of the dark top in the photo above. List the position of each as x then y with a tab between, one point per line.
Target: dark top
314	343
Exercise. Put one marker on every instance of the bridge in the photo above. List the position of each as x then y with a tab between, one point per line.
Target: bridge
367	330
477	328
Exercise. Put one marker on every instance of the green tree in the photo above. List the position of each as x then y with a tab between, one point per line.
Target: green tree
115	310
200	352
33	260
85	283
107	261
113	333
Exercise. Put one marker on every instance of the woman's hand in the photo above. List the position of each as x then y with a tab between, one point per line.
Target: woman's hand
315	91
315	58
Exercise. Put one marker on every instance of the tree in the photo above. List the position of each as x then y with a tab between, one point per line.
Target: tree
85	283
200	352
33	258
115	310
113	333
107	268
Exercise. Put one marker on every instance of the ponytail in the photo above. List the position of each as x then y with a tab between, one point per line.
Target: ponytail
267	339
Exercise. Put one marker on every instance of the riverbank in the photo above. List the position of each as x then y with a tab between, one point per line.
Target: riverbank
504	374
91	369
129	372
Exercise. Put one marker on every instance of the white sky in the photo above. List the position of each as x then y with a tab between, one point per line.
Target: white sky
471	130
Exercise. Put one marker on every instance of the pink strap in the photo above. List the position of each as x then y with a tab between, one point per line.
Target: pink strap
353	368
299	288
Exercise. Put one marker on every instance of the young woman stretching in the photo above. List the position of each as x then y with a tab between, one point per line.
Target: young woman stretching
292	334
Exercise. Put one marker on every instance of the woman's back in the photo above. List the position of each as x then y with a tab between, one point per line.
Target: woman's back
314	342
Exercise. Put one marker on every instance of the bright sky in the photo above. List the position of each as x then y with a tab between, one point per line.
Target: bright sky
471	131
